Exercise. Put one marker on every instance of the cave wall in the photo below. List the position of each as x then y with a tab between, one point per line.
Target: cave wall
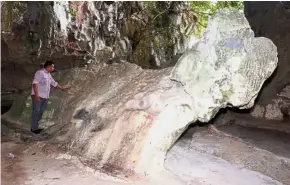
76	34
32	38
271	20
97	31
124	118
106	31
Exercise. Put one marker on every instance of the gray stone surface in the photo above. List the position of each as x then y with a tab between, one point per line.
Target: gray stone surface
233	155
196	167
258	111
277	109
80	33
122	118
273	112
228	67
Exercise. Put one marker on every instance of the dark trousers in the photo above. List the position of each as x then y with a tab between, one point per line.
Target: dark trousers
37	112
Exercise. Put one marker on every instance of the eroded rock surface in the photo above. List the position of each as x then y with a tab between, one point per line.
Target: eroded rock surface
233	155
228	67
276	109
120	117
75	34
271	20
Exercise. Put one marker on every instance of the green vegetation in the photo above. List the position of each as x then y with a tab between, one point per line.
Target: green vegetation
154	24
72	12
197	12
205	9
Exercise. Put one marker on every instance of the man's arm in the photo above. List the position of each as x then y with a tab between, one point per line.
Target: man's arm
36	80
59	87
56	85
35	89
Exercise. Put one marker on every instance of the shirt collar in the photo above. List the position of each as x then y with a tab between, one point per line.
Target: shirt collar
45	70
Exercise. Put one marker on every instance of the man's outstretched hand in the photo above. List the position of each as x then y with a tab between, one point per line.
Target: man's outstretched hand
66	88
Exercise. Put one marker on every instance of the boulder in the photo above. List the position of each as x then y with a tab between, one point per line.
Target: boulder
120	117
273	112
228	66
258	111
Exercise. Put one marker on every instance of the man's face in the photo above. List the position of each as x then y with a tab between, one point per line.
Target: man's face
50	68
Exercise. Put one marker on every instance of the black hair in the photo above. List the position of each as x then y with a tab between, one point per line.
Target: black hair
48	63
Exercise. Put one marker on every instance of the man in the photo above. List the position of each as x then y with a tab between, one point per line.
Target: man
40	93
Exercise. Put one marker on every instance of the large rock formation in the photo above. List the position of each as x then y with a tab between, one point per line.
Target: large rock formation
214	73
121	117
73	34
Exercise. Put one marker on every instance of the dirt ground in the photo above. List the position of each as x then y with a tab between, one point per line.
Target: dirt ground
30	164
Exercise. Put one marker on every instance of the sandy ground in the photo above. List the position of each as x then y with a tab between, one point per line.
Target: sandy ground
28	164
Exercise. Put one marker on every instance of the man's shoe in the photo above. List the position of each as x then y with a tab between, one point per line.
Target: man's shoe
36	131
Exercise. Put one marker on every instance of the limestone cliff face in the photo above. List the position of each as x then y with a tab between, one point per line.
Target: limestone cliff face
74	34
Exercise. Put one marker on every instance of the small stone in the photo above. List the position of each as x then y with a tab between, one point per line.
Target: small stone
11	156
285	92
258	111
273	112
